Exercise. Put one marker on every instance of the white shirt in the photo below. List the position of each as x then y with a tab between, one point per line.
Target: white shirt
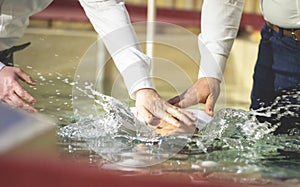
14	19
110	19
220	22
283	13
219	25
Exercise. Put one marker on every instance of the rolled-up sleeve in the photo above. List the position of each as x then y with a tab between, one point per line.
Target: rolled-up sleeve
111	21
220	22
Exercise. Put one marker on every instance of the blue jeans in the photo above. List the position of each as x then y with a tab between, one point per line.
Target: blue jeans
277	69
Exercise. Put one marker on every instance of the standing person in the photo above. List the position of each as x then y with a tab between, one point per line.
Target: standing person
220	22
278	63
14	19
111	21
108	17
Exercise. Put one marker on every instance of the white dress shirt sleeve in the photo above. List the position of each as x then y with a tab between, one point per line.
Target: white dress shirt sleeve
1	66
220	22
111	21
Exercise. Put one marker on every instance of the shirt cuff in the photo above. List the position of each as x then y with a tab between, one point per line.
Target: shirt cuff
1	65
136	77
145	83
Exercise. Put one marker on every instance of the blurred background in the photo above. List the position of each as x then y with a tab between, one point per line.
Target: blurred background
61	35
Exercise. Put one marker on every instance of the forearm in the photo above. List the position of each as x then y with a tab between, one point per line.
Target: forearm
219	26
110	19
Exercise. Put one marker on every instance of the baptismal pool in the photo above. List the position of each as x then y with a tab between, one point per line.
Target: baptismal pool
234	146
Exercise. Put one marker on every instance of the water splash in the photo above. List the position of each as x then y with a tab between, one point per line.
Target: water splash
238	142
236	129
235	139
116	134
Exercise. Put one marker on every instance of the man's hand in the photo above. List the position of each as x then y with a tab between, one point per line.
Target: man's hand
12	92
204	90
152	108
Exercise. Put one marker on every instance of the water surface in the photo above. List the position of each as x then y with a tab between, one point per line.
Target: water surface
233	146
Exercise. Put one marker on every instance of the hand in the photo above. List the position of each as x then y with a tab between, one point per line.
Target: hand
153	108
204	90
11	92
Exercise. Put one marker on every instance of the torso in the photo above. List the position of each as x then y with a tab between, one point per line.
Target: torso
283	13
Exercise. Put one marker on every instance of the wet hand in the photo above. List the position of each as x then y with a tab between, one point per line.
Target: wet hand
152	108
11	92
204	90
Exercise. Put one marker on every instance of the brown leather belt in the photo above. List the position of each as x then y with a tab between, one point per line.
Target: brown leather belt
294	33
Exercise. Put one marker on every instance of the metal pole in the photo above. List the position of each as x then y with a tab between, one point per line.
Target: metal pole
151	16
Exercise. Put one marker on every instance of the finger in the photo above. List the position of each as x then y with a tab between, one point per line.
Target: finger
183	103
209	106
174	101
29	108
23	94
148	117
16	101
188	114
187	100
25	77
170	119
180	115
8	101
161	113
179	101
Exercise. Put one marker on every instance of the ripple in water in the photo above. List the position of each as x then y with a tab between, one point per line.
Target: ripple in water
237	140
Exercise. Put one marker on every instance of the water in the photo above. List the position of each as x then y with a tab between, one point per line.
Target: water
114	133
234	146
234	142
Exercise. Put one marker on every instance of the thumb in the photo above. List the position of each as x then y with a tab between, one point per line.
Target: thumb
178	101
210	105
